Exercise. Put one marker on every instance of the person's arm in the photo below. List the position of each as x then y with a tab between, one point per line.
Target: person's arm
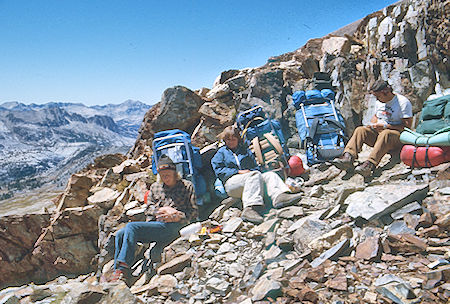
374	119
406	113
169	215
406	123
186	210
220	169
253	166
191	212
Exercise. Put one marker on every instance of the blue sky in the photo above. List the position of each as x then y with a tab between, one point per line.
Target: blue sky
99	52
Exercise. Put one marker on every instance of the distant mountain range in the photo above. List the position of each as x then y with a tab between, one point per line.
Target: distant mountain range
46	143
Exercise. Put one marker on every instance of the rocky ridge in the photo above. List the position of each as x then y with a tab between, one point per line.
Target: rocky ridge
406	43
344	242
43	143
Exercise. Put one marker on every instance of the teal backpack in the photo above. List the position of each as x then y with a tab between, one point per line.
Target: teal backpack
435	115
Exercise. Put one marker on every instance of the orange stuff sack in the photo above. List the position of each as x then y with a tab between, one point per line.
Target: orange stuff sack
424	157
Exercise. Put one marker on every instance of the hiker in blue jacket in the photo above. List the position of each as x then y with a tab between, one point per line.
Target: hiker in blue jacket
235	165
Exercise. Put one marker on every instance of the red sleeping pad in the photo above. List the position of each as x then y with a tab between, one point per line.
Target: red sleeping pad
424	157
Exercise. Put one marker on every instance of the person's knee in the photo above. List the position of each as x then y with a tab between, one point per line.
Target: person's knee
119	234
270	175
389	136
360	130
131	227
255	173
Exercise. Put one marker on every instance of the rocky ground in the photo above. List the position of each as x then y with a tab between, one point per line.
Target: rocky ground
349	240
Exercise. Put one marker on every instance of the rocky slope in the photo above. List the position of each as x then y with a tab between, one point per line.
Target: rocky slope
42	143
406	43
349	240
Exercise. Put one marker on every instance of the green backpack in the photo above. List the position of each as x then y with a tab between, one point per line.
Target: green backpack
435	115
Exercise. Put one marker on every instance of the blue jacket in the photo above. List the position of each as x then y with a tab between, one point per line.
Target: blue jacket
224	162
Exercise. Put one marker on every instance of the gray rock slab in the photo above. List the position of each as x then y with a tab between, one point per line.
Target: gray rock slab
332	253
398	214
290	212
399	293
9	299
136	211
236	270
444	191
289	265
104	195
400	227
272	253
376	201
300	222
226	247
217	285
266	288
308	231
387	279
136	176
437	263
265	226
232	225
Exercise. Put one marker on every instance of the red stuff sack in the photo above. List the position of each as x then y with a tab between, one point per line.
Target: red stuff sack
295	166
424	157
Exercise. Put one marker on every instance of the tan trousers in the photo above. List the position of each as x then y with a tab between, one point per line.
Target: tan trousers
382	143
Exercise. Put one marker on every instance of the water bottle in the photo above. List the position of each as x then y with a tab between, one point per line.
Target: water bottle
190	229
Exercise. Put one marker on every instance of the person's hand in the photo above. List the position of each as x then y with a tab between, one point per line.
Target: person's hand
378	126
168	215
243	171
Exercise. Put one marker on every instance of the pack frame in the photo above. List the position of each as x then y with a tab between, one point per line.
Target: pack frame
276	158
311	144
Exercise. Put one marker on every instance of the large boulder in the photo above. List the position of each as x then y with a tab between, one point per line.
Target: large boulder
178	109
33	249
377	201
77	191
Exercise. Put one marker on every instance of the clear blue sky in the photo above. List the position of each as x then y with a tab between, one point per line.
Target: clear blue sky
99	52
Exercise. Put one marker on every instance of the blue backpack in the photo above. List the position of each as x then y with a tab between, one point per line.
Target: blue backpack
320	125
177	145
264	138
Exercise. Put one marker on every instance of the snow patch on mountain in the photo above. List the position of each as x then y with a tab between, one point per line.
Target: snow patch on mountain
48	142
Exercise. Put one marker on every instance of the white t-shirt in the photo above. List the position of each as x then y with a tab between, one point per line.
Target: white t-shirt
394	110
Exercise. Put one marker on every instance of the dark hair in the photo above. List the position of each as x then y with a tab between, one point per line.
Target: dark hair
379	85
228	132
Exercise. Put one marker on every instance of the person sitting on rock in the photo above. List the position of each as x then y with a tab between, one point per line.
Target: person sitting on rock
171	205
393	114
235	165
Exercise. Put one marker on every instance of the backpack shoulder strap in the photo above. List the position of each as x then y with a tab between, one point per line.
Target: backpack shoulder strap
336	123
274	142
257	150
313	129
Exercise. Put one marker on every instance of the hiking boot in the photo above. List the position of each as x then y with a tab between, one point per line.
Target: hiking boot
345	162
286	199
117	275
250	214
155	254
365	169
